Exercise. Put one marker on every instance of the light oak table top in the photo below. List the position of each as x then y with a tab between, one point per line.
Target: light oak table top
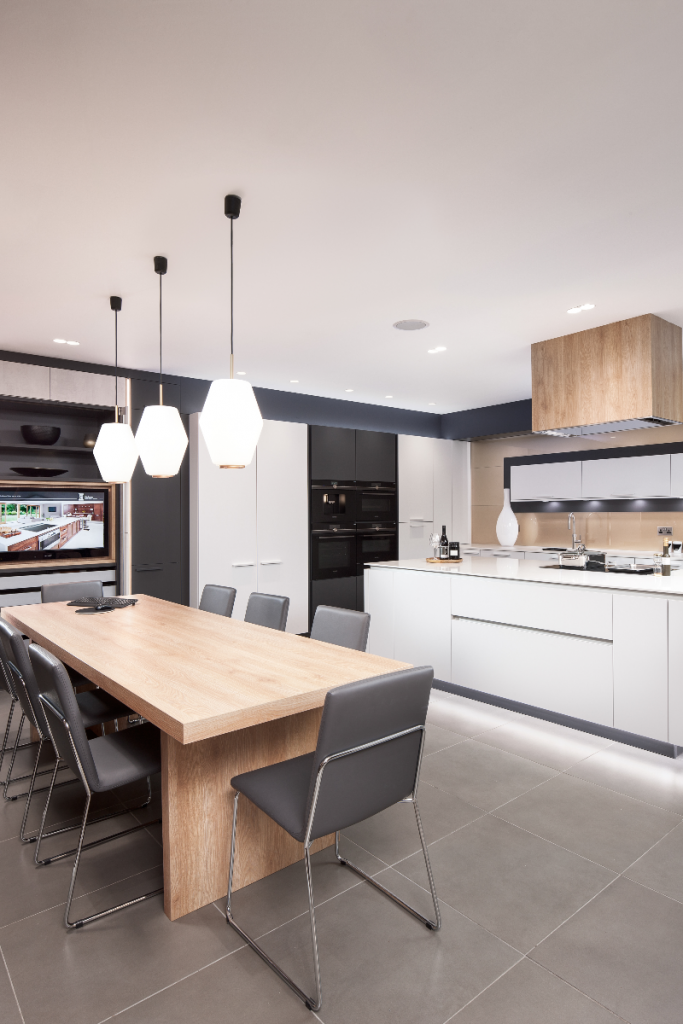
195	674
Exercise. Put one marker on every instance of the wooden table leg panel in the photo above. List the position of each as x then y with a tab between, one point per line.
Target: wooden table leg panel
197	811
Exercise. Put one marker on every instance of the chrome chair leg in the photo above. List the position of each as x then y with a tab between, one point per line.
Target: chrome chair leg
22	778
310	1002
434	925
32	790
78	851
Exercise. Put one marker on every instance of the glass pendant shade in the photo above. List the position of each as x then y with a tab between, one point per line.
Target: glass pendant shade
115	453
231	423
161	440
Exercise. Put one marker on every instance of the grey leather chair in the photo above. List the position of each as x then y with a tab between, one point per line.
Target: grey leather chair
220	600
267	610
102	764
70	591
368	757
341	626
96	707
7	684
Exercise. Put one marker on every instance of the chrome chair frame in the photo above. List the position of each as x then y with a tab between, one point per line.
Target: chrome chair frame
9	686
78	850
435	925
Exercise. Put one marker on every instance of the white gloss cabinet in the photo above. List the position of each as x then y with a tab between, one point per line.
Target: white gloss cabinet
638	476
443	485
676	672
249	527
677	475
415	479
282	517
559	481
379	602
641	665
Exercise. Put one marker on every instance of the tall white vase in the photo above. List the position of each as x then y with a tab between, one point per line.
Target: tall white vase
507	527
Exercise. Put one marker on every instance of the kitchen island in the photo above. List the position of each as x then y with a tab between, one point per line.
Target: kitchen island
601	651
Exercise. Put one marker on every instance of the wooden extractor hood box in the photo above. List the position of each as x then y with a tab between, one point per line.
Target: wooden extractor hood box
622	376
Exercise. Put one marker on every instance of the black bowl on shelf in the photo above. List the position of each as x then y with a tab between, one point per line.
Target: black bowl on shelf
38	434
37	471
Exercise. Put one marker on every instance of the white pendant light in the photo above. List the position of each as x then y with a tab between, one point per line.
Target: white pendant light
161	437
115	451
231	420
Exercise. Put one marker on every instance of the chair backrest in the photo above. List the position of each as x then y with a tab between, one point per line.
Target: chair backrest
220	600
15	658
6	678
70	591
341	626
359	785
267	610
54	684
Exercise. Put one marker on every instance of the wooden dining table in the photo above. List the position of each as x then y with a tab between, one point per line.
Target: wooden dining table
227	697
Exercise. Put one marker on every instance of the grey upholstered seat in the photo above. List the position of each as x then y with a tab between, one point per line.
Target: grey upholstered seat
267	610
70	591
367	758
96	707
102	764
220	600
341	626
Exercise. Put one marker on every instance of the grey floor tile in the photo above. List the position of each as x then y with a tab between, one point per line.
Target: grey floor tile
465	716
239	989
66	807
33	889
545	742
9	1011
92	973
662	867
608	827
638	773
392	834
624	950
481	775
516	885
379	964
438	738
530	995
274	900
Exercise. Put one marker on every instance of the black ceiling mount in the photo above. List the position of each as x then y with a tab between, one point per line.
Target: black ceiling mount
115	303
233	205
160	264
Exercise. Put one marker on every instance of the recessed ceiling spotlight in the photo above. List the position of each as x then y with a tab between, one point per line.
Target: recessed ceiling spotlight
294	382
73	342
431	403
241	373
433	351
580	309
349	391
59	341
410	325
388	396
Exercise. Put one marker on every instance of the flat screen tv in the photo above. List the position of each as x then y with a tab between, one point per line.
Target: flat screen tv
49	523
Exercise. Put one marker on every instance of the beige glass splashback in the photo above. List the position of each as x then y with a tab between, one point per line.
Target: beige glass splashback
616	530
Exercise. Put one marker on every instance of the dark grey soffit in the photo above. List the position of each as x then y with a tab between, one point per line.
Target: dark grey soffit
509	418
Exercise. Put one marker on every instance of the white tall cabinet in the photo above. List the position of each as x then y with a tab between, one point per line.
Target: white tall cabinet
433	473
249	527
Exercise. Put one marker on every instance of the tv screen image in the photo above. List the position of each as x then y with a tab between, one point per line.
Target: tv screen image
46	524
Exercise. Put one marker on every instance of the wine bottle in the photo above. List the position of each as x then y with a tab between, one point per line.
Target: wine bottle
443	544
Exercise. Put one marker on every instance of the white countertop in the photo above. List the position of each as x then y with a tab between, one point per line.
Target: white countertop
535	548
534	572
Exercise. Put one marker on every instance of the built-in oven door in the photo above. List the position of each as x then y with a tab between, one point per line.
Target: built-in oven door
377	543
333	553
376	504
333	505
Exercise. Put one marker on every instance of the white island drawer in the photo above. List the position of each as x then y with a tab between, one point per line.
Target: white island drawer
579	611
564	674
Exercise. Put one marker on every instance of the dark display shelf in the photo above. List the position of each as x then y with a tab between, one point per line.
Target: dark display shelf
81	449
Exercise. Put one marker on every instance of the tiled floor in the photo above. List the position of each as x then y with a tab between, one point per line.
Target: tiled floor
558	858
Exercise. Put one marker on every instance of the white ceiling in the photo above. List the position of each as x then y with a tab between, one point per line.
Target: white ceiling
483	166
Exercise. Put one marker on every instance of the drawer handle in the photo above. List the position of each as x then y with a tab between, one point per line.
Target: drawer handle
271	561
149	568
241	565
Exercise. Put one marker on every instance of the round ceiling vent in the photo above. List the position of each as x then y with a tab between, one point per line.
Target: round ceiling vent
410	325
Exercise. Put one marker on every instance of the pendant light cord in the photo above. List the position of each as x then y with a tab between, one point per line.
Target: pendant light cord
116	366
232	357
161	383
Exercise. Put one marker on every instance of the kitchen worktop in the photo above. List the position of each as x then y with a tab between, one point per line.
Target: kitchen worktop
534	572
500	549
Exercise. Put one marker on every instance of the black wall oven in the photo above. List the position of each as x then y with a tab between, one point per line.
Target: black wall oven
376	542
333	553
376	503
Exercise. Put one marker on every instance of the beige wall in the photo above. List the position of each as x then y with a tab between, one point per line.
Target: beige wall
637	530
